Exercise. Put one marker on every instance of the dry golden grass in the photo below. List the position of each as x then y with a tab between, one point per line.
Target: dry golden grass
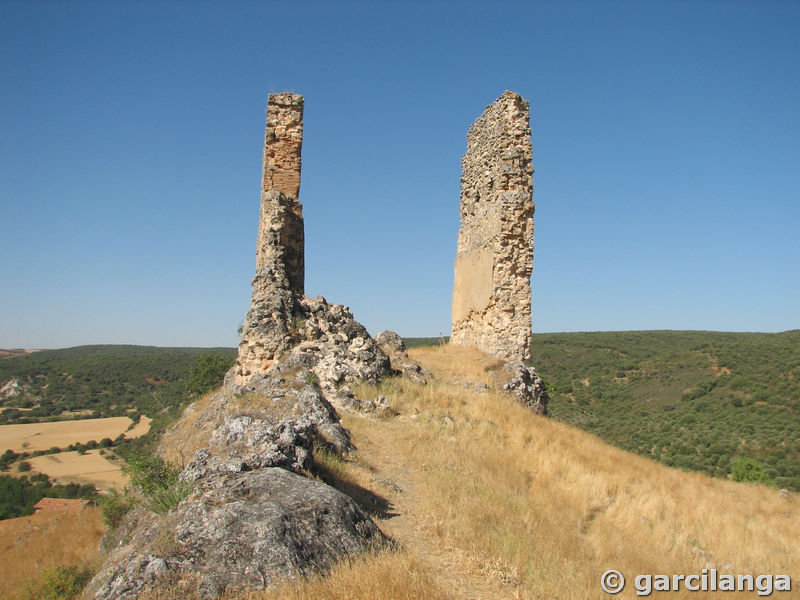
140	429
43	436
32	544
91	467
392	576
555	507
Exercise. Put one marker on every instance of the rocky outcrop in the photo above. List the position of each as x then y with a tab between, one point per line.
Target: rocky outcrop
394	347
238	531
492	291
526	386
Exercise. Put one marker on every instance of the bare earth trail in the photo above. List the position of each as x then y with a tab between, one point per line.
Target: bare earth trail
398	479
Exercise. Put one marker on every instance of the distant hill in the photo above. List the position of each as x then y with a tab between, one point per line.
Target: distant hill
697	400
95	381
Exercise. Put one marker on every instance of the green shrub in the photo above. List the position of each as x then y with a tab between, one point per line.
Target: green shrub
115	507
59	583
158	481
749	470
23	467
208	372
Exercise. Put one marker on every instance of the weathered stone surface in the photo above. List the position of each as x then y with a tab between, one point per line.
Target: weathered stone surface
394	346
492	292
243	530
523	382
390	342
283	142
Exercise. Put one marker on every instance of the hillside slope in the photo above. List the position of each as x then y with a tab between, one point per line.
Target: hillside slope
691	399
487	500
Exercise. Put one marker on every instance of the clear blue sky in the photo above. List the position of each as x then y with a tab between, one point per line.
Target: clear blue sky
666	146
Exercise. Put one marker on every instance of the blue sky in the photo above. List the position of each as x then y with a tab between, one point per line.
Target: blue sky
665	140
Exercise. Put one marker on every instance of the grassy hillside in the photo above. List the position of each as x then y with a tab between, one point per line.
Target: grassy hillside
487	500
97	381
35	550
696	400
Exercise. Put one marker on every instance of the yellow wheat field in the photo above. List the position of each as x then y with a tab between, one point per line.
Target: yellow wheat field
43	436
72	467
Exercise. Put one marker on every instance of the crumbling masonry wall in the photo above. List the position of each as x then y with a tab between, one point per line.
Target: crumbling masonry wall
283	143
492	291
280	264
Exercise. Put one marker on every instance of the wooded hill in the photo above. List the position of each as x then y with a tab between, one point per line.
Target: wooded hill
697	400
97	381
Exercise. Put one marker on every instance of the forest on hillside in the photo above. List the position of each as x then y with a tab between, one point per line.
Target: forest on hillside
97	381
699	400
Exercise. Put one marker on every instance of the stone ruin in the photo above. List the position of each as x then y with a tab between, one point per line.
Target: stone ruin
492	290
253	515
494	262
283	326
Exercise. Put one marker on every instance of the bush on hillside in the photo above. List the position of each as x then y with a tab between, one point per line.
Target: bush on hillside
749	470
158	482
59	583
208	372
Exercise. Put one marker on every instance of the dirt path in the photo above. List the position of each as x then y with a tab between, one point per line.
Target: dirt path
400	482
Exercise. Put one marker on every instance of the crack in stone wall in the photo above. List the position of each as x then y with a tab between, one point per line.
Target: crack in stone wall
492	290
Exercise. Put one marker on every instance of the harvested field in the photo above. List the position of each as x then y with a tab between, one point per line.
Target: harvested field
142	427
43	436
71	467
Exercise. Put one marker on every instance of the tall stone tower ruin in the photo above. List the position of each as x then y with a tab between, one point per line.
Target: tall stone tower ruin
280	264
492	290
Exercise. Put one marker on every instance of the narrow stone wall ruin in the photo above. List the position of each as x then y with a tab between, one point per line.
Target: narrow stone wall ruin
283	326
492	290
280	264
283	143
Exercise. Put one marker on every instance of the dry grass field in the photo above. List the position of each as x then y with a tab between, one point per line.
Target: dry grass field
43	436
141	428
72	467
29	545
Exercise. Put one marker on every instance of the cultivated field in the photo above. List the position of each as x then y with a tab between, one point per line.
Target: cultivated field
142	427
43	436
71	467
